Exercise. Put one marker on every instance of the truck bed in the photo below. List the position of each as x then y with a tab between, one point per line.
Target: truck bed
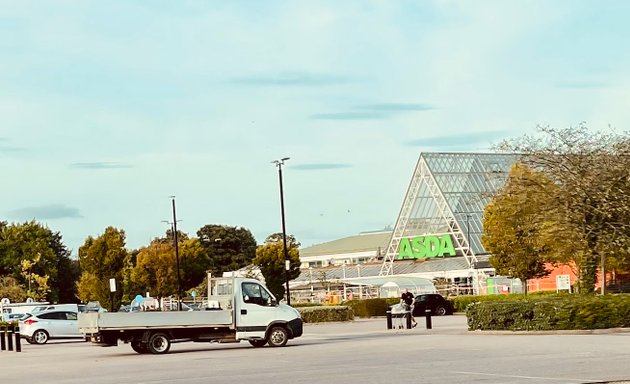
93	322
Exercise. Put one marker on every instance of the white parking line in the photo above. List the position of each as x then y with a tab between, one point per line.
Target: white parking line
524	377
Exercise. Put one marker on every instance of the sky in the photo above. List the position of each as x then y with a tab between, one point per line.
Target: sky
108	108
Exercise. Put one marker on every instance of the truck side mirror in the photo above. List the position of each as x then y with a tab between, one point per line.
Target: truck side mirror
246	299
272	302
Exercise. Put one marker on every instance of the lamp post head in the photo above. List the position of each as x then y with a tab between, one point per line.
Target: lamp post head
280	162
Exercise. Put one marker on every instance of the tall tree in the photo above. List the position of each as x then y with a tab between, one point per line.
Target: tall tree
102	259
513	223
64	283
271	261
592	173
155	269
194	263
228	248
44	252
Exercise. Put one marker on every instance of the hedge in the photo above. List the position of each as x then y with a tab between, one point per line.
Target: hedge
566	312
461	302
326	313
371	307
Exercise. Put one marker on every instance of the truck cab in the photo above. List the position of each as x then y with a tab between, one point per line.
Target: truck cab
260	317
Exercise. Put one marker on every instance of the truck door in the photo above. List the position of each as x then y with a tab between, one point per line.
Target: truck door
258	308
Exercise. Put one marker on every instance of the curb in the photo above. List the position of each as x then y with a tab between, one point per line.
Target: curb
606	331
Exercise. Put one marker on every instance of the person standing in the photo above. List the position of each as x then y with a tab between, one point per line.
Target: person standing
407	299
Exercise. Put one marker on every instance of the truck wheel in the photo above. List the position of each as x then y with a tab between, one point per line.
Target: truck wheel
159	344
278	337
257	343
40	337
139	347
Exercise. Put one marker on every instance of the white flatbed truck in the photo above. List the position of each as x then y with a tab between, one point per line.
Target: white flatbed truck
238	309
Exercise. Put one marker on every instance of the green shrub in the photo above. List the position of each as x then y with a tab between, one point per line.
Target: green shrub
554	312
461	302
9	324
392	300
302	305
326	313
368	307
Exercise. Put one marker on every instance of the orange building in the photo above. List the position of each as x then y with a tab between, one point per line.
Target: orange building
548	283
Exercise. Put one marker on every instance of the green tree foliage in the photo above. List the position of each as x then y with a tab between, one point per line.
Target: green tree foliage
194	263
155	269
46	255
592	211
11	289
513	222
68	274
271	261
101	259
129	288
227	248
37	285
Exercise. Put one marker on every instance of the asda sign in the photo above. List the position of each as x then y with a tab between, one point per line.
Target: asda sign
421	247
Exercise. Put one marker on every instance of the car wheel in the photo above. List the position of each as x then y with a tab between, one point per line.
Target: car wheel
159	343
257	343
278	337
40	337
139	347
440	311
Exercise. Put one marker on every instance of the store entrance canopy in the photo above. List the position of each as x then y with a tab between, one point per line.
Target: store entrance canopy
391	286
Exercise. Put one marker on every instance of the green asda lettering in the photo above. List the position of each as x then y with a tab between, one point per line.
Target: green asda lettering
426	246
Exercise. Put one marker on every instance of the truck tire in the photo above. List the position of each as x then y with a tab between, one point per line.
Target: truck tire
278	336
139	347
257	343
159	343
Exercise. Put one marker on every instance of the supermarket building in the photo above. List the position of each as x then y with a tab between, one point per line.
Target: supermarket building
437	235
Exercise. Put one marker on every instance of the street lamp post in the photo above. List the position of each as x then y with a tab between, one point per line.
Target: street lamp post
279	164
179	284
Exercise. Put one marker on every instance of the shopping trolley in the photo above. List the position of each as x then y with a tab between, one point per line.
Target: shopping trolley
399	315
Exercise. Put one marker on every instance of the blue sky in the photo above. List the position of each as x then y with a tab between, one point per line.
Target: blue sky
108	108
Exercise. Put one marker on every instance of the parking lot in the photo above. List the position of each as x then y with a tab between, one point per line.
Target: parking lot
363	351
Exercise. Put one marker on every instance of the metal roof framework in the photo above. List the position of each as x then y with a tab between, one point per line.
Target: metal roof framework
447	195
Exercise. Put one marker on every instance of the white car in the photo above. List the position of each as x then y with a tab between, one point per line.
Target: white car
39	328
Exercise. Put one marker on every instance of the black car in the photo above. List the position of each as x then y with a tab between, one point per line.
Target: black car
438	305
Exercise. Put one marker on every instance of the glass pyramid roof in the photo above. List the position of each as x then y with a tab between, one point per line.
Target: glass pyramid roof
447	195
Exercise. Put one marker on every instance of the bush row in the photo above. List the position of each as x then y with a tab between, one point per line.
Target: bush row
371	307
461	302
326	313
567	312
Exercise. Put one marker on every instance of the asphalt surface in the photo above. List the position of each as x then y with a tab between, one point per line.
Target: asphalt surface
363	351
